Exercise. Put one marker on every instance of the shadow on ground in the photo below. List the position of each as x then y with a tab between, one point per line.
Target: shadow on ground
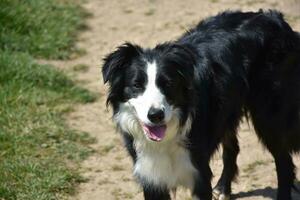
266	192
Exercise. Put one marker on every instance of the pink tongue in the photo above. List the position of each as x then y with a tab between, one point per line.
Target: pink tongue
156	133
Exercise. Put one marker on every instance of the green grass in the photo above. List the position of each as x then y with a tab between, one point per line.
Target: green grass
80	68
44	28
35	143
39	153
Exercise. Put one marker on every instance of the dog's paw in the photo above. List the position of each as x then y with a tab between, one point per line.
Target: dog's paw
218	195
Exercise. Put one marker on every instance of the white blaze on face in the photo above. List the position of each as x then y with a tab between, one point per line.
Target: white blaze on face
152	97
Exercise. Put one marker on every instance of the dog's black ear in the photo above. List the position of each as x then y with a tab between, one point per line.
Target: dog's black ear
119	59
182	55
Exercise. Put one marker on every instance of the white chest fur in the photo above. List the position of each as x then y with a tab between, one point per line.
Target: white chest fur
165	164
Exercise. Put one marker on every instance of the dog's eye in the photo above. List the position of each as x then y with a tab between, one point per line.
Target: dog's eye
137	86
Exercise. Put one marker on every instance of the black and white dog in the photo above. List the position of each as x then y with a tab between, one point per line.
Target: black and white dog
176	103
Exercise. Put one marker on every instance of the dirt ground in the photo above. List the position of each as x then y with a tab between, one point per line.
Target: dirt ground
147	23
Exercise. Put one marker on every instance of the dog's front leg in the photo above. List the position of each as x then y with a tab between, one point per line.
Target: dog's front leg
202	188
153	193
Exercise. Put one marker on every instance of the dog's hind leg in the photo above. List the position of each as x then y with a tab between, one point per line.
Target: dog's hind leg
230	151
271	135
285	175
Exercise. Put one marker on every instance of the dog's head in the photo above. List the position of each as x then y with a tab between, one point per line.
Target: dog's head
151	90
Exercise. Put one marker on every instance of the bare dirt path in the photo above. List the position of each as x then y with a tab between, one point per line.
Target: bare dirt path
147	23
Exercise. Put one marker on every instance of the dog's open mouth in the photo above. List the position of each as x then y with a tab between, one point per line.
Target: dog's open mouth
155	133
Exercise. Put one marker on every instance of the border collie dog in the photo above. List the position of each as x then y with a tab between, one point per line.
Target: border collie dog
177	102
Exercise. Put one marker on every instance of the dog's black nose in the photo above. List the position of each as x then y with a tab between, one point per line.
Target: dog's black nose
156	115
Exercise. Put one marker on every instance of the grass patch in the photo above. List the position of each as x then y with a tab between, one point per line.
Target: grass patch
43	28
39	153
37	149
81	68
